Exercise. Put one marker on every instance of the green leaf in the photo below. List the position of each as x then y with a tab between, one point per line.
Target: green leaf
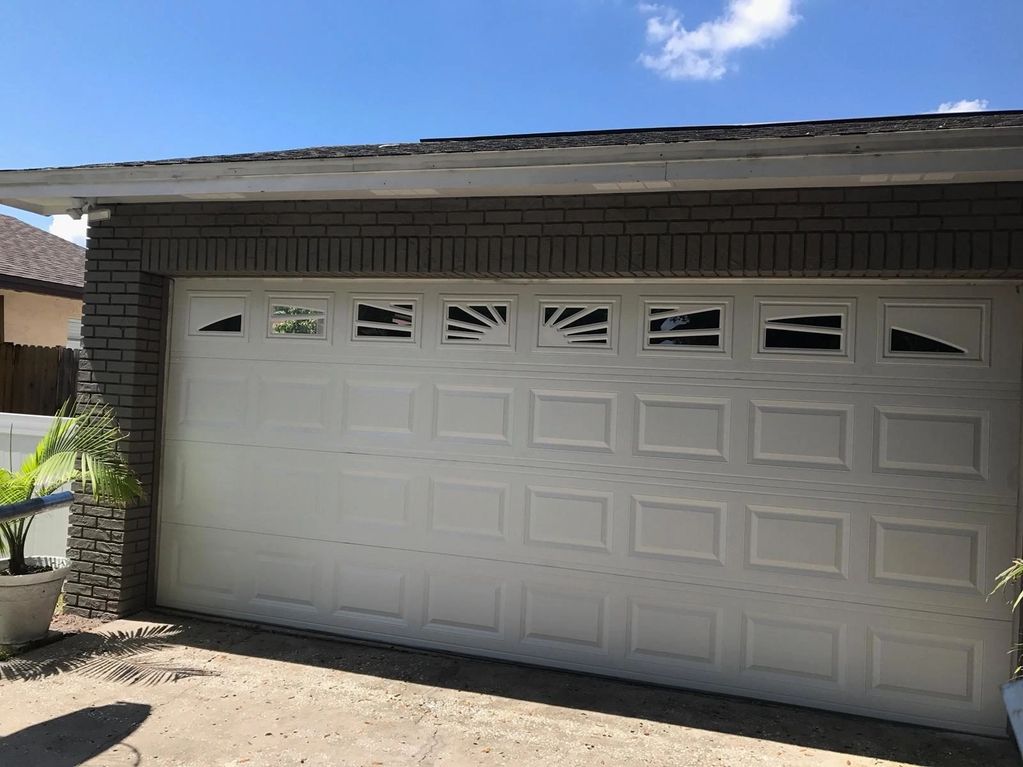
84	448
1007	578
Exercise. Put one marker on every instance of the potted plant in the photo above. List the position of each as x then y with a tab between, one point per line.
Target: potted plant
76	448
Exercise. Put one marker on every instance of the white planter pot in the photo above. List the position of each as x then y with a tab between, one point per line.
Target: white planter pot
27	601
1012	694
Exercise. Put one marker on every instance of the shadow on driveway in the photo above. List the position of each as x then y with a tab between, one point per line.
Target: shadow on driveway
120	656
74	738
807	728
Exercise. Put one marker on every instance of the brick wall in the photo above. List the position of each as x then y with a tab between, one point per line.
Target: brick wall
965	230
973	231
122	333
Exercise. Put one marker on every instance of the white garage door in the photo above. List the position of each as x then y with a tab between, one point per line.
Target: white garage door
786	490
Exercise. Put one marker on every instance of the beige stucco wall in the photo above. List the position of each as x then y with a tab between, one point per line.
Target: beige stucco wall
38	320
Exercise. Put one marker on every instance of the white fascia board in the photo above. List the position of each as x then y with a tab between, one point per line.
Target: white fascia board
919	157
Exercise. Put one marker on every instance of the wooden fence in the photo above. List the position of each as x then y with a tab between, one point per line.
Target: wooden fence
36	379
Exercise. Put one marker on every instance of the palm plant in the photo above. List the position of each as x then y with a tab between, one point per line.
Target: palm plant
1005	581
76	448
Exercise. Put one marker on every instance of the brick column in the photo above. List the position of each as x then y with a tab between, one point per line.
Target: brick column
122	338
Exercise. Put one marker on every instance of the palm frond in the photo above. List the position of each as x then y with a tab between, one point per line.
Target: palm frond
14	487
61	424
84	448
111	481
1005	579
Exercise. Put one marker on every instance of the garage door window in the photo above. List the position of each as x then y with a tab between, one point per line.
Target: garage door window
938	331
216	314
804	329
821	332
385	318
684	326
297	317
478	322
579	325
906	341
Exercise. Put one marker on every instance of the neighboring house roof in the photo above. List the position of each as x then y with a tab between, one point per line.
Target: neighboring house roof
620	137
914	149
34	260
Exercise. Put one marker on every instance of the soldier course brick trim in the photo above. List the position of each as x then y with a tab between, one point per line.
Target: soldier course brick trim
923	231
949	231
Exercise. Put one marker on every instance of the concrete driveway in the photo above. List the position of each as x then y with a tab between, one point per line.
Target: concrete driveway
165	690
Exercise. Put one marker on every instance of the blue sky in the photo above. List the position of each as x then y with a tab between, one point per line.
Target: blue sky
95	82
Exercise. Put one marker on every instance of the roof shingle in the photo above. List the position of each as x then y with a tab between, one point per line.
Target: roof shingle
619	137
28	253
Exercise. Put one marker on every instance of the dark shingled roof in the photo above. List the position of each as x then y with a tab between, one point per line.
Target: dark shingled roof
858	126
28	253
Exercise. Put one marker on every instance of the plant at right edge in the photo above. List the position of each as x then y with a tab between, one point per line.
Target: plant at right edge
1004	581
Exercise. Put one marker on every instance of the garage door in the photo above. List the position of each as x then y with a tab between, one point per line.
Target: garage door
796	491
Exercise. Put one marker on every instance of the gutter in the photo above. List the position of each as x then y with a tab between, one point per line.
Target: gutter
910	157
29	285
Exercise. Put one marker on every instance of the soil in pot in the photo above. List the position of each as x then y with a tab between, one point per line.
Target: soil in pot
29	570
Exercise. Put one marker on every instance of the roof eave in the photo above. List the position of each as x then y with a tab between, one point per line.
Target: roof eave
912	157
43	287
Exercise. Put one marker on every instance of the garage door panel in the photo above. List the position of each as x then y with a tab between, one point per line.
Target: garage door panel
380	408
205	569
681	482
468	507
682	427
567	617
850	657
473	414
368	592
801	435
677	529
797	650
286	583
667	632
298	403
469	608
573	420
196	488
801	541
807	436
889	554
924	552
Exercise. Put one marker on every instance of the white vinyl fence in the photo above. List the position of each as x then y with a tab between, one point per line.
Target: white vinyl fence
18	437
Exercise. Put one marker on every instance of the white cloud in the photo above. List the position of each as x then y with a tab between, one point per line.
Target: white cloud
702	53
963	105
68	229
